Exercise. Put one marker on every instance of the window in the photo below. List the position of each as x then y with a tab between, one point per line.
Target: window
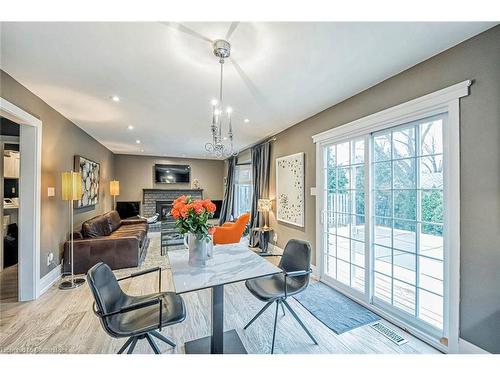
388	228
242	189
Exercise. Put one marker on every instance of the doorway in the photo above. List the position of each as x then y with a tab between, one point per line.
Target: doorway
29	197
9	187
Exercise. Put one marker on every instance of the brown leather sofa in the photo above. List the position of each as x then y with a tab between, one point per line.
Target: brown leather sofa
106	238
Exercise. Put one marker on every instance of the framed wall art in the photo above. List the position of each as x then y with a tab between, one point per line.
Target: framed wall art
90	172
290	189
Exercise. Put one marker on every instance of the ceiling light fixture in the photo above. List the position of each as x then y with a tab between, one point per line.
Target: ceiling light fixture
246	121
130	127
115	98
219	148
137	141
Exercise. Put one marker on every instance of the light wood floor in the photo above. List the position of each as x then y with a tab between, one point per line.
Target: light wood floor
63	322
8	284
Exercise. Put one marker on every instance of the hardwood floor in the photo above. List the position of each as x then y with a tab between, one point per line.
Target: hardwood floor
8	284
63	322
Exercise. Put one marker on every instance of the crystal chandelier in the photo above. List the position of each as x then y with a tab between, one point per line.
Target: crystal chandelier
221	146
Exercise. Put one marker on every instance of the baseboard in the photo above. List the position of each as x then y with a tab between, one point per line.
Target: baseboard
50	279
465	347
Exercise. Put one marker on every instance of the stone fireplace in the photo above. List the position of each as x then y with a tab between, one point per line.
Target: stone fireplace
160	200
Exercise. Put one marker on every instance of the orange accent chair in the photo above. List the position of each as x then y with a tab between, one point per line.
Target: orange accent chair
231	232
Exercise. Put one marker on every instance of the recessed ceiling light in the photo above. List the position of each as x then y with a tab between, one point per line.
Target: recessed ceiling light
130	127
246	121
137	141
115	98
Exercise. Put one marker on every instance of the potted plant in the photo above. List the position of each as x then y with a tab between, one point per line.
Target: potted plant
191	218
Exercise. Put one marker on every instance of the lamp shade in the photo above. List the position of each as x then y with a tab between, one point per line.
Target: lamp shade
71	186
264	205
114	187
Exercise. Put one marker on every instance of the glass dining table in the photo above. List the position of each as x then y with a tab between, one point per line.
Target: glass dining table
229	264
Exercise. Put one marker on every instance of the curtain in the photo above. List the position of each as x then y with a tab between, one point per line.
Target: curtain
227	204
261	166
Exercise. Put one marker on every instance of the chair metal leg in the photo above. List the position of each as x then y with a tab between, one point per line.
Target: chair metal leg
275	322
127	343
300	322
283	309
258	314
132	345
153	344
159	336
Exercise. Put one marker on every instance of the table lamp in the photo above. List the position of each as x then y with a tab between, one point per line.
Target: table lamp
71	191
264	205
114	190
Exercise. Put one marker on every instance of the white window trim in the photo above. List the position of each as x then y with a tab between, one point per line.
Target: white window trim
445	100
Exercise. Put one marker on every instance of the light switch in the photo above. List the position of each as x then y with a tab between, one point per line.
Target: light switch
51	192
313	191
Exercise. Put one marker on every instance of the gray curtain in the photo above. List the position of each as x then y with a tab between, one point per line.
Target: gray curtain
261	167
227	204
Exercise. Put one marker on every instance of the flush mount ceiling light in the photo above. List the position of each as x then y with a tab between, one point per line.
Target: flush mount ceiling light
246	121
137	141
115	98
130	127
221	146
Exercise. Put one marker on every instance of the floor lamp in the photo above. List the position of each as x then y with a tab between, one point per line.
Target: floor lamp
114	190
71	191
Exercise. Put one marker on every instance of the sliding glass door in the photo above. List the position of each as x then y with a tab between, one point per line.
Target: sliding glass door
407	193
344	228
382	220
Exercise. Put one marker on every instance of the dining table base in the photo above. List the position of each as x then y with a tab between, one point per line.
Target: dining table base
232	344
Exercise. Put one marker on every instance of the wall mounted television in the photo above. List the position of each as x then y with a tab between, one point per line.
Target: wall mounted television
172	174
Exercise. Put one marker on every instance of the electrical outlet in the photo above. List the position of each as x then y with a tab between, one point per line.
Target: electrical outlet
275	237
50	258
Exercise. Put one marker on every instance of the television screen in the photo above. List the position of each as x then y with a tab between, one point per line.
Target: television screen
171	174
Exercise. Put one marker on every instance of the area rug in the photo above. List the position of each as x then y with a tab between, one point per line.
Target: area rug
153	257
333	309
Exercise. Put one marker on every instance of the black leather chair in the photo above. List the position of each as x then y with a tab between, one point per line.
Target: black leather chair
296	265
135	317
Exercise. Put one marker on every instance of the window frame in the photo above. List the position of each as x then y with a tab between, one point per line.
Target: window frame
442	101
236	208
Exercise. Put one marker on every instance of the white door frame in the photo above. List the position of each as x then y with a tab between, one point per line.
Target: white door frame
29	198
445	100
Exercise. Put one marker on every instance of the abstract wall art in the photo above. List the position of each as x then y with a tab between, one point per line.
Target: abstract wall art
290	189
90	172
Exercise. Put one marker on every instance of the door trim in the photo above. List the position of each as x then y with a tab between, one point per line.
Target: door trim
29	198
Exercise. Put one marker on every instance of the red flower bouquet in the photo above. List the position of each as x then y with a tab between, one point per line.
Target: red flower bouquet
191	216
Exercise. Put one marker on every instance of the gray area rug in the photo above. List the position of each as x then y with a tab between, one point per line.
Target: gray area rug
333	309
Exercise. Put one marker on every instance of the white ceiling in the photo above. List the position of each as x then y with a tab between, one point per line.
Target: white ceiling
165	73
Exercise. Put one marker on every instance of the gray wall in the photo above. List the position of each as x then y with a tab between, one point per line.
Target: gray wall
477	59
61	140
136	173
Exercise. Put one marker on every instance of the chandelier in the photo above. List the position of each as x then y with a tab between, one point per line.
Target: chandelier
221	145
